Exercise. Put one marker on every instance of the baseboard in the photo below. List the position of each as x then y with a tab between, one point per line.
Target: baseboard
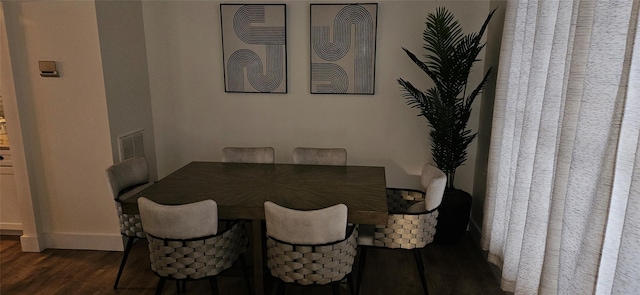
10	232
10	226
475	231
31	243
104	242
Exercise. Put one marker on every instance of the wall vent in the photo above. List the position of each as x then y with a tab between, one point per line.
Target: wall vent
131	145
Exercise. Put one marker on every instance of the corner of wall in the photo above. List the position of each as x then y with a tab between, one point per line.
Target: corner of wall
492	55
126	75
32	243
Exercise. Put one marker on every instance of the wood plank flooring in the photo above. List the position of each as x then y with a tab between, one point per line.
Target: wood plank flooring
450	269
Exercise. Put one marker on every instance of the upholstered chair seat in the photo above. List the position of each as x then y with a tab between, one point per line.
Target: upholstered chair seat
260	155
187	242
126	179
320	156
412	220
309	247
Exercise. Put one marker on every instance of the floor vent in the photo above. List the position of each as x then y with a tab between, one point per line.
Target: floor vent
131	145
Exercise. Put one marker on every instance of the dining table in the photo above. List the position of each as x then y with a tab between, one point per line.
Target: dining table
240	190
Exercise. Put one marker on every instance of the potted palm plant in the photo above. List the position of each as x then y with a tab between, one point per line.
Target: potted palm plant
448	61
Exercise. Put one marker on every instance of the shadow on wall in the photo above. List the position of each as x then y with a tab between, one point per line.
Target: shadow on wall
396	176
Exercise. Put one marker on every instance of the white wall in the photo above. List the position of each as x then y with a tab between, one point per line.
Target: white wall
64	121
194	118
126	79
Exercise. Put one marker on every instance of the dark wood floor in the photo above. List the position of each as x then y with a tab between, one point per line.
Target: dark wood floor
450	269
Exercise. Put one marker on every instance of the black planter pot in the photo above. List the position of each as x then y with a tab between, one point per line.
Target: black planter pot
453	216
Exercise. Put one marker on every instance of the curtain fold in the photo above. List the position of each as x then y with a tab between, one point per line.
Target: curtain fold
619	270
562	183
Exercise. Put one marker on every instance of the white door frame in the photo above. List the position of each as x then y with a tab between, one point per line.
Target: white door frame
32	239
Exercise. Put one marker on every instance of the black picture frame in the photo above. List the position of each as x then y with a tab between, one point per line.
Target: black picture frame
337	66
248	49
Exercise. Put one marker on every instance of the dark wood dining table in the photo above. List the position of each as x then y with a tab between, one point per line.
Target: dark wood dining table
240	190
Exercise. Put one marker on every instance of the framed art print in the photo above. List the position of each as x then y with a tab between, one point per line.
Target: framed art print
254	48
343	48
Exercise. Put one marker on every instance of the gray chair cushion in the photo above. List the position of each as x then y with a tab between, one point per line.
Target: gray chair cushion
260	155
127	174
306	227
187	221
320	156
433	181
125	179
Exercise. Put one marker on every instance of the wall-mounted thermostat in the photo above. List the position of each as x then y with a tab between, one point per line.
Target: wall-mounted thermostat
48	69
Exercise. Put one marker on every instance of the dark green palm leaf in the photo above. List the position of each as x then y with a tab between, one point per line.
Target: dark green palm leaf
448	61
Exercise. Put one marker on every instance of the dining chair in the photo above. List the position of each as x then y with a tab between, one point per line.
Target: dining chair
260	155
126	179
411	223
309	247
320	156
187	242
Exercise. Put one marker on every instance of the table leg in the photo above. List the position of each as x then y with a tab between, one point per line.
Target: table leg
258	274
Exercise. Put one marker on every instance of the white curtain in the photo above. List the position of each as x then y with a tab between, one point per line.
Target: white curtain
562	211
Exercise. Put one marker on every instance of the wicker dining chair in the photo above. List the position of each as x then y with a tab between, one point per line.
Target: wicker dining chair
320	156
309	247
187	242
260	155
411	223
126	179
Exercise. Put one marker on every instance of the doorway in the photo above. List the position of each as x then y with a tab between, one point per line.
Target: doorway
10	221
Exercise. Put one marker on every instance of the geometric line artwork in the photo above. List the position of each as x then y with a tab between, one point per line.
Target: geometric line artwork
254	48
343	48
335	76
